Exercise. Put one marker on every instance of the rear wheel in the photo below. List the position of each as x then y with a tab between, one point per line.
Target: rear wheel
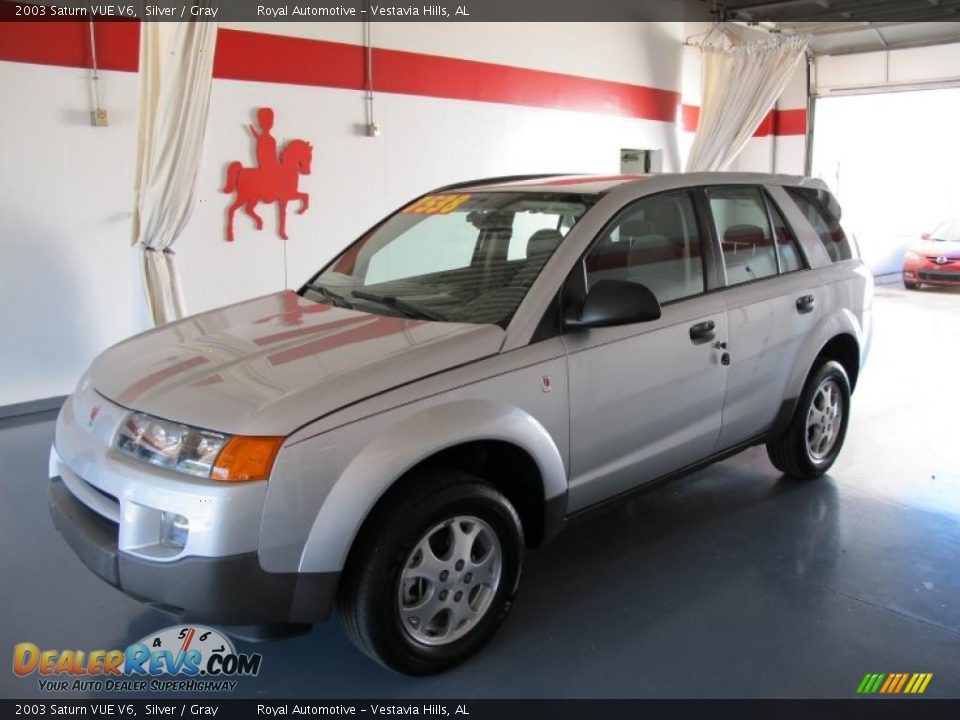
435	575
815	435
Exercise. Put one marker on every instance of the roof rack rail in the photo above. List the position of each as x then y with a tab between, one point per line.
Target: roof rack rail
498	179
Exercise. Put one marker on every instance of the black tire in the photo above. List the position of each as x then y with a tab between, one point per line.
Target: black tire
911	285
790	452
368	598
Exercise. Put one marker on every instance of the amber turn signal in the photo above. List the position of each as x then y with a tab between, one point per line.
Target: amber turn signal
246	458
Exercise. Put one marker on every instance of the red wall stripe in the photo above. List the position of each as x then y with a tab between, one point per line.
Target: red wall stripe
245	55
791	122
766	125
262	57
433	76
777	122
68	44
689	117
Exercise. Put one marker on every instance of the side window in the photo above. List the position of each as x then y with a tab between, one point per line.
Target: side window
656	243
824	222
740	218
787	248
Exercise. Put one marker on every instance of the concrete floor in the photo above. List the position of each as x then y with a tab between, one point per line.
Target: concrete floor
730	583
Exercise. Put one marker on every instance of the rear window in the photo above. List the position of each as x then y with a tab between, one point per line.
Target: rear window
823	213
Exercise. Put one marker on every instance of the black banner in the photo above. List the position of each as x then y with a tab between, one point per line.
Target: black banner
357	10
882	709
465	10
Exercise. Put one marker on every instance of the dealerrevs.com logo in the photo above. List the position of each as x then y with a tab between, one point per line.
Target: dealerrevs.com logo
203	656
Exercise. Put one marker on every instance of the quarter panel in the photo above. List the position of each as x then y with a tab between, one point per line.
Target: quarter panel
837	319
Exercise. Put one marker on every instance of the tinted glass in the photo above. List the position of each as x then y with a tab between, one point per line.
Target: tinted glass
459	257
742	224
787	249
655	243
824	222
948	231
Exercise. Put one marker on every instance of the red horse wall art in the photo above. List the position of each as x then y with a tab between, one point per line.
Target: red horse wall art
274	180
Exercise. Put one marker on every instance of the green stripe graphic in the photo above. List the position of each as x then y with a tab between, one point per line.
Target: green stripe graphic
862	688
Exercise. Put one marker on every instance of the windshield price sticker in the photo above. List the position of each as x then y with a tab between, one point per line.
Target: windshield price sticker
436	204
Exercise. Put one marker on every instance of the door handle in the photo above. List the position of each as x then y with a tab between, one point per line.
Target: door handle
805	304
703	332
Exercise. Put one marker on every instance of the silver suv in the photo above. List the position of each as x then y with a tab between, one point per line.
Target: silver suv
476	368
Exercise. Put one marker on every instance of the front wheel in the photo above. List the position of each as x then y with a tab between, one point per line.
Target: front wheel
815	435
435	574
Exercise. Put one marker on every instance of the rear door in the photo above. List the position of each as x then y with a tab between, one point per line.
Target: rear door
645	398
772	303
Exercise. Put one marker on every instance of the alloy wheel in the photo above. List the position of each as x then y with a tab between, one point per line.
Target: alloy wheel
449	580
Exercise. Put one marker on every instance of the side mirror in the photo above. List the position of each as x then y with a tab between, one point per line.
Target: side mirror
613	302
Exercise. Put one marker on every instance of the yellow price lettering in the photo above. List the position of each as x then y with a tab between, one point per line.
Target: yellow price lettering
436	204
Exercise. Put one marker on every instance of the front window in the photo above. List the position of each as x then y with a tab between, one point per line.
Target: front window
457	257
656	243
947	232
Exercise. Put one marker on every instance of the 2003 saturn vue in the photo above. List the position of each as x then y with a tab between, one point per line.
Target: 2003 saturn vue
479	366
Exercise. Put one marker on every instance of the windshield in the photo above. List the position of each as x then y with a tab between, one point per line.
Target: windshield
948	231
456	257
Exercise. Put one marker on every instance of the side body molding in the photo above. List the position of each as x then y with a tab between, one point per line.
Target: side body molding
402	446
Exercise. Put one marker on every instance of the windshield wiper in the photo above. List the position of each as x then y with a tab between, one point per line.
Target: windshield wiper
334	298
403	306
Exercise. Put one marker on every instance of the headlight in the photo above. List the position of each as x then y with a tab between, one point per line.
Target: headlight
193	451
911	255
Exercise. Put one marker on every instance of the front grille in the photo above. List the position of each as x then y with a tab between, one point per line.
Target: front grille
100	501
104	493
940	276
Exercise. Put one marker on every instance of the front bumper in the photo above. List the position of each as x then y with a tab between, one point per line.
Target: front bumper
230	590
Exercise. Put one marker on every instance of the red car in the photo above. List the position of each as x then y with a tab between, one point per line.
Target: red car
935	259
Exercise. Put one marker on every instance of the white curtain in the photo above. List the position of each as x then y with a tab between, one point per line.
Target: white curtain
739	86
176	71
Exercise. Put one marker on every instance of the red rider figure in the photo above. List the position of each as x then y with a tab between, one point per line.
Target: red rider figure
267	150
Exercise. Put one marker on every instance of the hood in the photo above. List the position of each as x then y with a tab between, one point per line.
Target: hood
937	248
271	365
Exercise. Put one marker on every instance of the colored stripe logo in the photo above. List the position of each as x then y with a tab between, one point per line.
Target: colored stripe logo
894	683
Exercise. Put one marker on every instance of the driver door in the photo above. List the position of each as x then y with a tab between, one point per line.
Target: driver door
645	398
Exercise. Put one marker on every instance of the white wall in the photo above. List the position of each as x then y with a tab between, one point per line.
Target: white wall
888	69
69	283
67	287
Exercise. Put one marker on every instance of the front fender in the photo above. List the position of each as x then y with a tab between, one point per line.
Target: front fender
390	454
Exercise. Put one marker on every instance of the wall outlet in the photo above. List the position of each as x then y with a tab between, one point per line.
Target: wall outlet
98	118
